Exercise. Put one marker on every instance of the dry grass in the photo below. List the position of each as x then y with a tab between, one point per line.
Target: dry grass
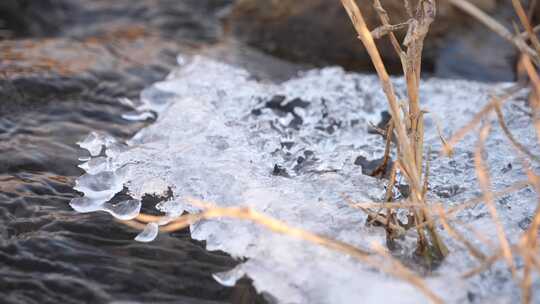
527	248
371	258
485	184
407	127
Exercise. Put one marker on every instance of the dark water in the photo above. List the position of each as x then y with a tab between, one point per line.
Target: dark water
49	253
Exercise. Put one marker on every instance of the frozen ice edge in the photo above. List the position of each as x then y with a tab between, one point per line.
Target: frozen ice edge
215	140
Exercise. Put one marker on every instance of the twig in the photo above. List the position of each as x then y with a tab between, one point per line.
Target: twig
456	235
385	20
409	129
395	268
365	36
460	134
535	96
484	181
517	145
520	11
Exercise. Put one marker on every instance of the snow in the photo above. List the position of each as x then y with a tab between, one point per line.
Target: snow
288	151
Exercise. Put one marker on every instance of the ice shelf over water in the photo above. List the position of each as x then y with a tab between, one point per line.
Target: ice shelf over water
288	150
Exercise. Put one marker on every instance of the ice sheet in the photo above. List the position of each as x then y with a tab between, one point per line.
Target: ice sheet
289	150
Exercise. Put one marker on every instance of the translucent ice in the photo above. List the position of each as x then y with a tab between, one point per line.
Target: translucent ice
124	210
149	233
289	150
136	116
94	142
229	278
100	186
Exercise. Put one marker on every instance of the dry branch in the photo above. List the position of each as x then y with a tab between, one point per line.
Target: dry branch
389	265
409	126
485	184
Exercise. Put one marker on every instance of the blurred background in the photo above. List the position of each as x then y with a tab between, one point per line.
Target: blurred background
65	63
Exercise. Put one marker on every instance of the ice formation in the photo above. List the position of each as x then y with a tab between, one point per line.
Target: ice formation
289	150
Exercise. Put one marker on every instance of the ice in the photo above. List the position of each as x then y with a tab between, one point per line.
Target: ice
95	165
84	204
288	150
136	116
101	184
99	188
126	102
229	278
124	210
155	186
95	141
149	233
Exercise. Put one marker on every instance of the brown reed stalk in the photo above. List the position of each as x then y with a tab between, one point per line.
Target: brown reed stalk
388	265
409	128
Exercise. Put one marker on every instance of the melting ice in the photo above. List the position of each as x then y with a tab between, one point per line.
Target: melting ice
289	150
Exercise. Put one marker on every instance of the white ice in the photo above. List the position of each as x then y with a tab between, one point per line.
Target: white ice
220	135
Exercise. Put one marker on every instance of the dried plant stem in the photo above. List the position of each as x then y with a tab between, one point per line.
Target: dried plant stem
388	197
529	242
460	134
393	205
477	253
525	35
451	211
517	145
409	129
483	267
524	18
484	181
414	41
381	169
385	20
512	188
376	217
367	39
389	265
535	96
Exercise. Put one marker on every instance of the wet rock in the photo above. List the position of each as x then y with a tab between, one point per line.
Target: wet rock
280	171
24	18
320	32
373	167
476	53
260	65
192	20
57	49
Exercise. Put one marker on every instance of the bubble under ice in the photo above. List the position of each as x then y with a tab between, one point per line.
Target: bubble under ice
288	150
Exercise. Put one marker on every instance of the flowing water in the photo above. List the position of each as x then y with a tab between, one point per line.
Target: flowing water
62	77
48	253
